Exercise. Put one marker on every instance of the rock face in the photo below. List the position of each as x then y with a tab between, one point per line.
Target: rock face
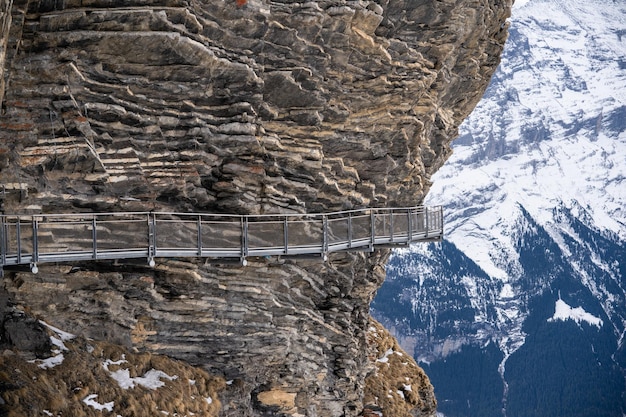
238	107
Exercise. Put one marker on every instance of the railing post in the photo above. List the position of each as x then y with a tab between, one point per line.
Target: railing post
426	222
440	220
199	236
3	240
18	237
244	237
391	230
409	225
94	238
350	230
372	229
152	238
35	226
325	234
286	235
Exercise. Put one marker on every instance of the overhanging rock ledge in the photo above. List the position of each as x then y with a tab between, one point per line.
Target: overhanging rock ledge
224	107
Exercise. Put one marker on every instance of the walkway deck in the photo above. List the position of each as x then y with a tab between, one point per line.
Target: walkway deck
29	240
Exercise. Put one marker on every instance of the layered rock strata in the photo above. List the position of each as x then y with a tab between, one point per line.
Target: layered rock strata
234	107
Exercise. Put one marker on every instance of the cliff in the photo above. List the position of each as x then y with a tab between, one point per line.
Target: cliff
231	107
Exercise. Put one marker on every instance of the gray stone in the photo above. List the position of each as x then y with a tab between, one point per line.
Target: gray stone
25	334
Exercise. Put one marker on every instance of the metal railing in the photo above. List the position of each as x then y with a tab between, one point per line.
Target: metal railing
33	239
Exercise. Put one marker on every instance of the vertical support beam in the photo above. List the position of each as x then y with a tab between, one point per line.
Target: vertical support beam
426	222
94	238
286	235
18	238
3	240
350	230
199	236
372	229
152	238
244	237
324	234
409	226
440	220
35	226
392	231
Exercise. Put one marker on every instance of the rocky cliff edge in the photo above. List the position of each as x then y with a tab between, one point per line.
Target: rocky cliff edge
227	107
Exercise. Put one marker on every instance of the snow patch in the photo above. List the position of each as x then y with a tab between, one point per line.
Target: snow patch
150	380
90	401
563	312
507	291
62	334
58	357
51	362
520	3
385	357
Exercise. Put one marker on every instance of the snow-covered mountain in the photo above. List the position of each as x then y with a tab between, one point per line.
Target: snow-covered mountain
522	310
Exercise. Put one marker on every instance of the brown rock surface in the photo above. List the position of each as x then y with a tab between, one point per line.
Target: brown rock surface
261	108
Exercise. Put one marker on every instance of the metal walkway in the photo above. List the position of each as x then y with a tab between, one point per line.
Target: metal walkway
33	239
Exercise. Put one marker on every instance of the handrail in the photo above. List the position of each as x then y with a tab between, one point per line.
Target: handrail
66	237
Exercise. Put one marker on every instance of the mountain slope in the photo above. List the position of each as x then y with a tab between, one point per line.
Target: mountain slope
535	261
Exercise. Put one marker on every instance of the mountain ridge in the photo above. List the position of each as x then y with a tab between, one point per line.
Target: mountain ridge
534	195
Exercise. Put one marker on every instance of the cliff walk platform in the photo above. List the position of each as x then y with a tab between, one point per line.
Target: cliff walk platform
33	239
